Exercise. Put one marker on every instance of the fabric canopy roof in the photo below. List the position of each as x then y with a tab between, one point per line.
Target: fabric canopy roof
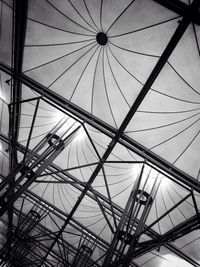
126	72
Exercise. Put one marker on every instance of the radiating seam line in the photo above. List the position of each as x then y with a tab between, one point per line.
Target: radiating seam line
168	139
59	193
186	148
6	4
105	86
68	154
144	28
134	52
114	174
54	203
196	39
99	145
45	189
69	17
124	67
166	209
94	78
71	66
190	242
82	16
105	225
168	112
198	175
68	194
165	125
122	191
112	184
1	18
92	224
148	260
116	79
84	154
36	126
119	16
173	97
91	216
4	155
183	78
34	137
41	108
2	113
175	204
159	229
54	60
110	164
101	7
87	64
130	154
93	153
181	196
90	15
78	161
38	116
56	28
59	44
159	256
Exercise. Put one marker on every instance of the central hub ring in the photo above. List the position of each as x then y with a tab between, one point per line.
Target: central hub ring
102	38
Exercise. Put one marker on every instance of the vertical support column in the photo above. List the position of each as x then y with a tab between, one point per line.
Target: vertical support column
133	219
20	9
84	253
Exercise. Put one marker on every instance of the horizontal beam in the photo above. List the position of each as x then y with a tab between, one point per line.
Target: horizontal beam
180	230
62	215
106	129
41	228
118	210
182	255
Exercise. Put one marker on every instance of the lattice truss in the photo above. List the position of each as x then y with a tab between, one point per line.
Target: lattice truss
99	133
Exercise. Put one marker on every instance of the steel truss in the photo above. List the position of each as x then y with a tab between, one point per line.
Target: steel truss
29	169
125	245
132	221
140	248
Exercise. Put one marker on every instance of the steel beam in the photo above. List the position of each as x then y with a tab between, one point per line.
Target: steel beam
49	151
41	228
19	30
180	8
40	245
118	211
177	232
20	9
118	135
107	130
182	255
151	233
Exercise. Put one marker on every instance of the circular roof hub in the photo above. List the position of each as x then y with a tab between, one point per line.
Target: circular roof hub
102	38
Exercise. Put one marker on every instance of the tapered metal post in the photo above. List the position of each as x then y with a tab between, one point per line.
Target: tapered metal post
133	218
84	253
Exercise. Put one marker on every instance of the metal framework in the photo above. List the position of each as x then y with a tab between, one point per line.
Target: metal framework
29	242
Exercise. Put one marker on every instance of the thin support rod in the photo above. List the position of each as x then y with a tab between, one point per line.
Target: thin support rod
31	129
